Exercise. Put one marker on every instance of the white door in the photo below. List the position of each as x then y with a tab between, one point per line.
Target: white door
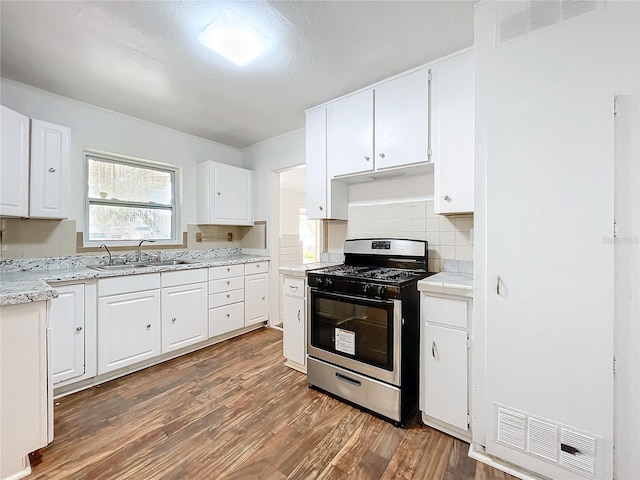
14	164
452	133
66	317
402	120
293	329
232	195
256	301
128	329
184	316
549	319
350	135
444	379
50	172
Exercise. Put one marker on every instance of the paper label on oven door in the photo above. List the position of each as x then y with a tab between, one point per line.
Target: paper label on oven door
345	341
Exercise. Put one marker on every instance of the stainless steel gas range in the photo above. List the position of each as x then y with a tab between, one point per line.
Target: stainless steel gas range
364	328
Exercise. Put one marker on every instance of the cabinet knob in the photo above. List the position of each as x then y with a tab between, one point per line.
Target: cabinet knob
218	193
51	170
263	298
78	329
148	326
367	158
382	155
447	198
228	282
321	207
173	320
228	269
228	315
228	295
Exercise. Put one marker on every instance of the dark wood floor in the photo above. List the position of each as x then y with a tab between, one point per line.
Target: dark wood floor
234	411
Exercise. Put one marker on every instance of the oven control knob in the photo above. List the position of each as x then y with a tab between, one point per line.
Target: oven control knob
367	288
319	282
381	290
328	283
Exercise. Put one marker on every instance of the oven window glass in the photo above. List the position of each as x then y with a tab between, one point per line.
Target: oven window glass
354	328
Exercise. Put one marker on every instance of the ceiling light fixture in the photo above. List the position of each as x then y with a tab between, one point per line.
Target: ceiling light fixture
234	38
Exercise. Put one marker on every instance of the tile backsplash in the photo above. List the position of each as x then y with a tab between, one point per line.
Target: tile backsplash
28	238
449	237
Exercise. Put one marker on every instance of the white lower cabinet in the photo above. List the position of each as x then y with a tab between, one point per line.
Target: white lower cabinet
256	293
226	319
294	339
67	321
128	329
444	363
226	299
184	316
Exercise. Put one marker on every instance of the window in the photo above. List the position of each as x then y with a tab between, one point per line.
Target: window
310	236
129	201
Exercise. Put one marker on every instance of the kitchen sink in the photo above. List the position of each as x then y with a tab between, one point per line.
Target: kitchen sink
131	266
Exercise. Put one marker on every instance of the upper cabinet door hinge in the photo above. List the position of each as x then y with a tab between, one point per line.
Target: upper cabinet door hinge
468	342
428	75
429	153
615	365
615	107
615	229
468	420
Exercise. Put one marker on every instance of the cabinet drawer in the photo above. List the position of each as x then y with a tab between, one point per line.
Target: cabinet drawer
444	311
183	277
226	319
256	267
294	287
226	271
225	298
128	284
226	284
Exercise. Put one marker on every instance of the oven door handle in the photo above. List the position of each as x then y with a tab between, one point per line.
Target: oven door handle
342	296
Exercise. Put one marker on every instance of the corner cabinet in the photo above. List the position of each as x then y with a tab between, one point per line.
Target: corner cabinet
224	194
34	167
326	199
444	363
256	293
452	133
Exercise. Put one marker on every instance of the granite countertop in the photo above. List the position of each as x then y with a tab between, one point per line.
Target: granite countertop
451	283
301	270
33	285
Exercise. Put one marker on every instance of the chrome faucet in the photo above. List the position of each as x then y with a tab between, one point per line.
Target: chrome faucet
107	249
139	256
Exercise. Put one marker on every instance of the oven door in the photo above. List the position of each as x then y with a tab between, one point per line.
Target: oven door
358	333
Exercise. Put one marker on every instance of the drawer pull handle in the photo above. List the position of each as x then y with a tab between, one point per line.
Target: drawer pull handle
52	170
349	380
293	287
434	350
498	285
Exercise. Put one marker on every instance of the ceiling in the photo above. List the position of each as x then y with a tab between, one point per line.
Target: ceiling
143	58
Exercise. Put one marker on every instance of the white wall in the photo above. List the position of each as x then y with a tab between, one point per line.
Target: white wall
100	129
290	204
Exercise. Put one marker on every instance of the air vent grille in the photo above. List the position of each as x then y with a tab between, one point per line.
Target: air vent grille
553	442
543	439
584	460
527	17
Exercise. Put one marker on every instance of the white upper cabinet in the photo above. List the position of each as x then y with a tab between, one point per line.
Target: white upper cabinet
452	133
379	128
47	162
50	170
350	135
14	164
225	195
324	200
402	121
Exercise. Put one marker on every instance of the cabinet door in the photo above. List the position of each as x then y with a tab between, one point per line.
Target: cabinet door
184	316
128	329
14	164
50	170
350	135
256	298
316	160
443	382
66	318
402	121
452	134
232	196
294	338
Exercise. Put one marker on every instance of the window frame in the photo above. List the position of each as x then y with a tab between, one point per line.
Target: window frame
176	177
